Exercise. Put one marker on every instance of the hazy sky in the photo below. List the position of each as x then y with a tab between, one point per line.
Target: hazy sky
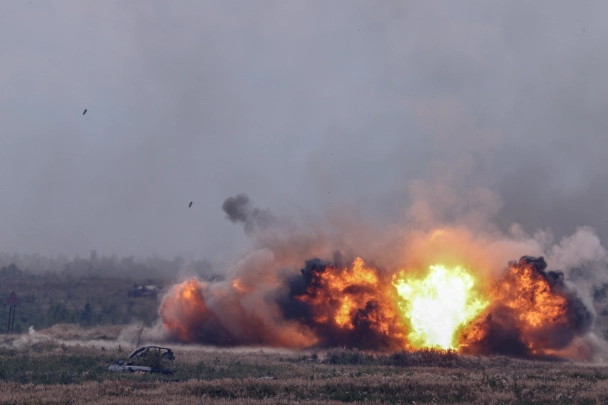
305	106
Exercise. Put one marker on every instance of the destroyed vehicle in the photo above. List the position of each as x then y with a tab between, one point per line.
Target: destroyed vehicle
147	359
165	352
143	291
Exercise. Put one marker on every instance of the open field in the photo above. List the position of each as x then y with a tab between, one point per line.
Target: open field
57	371
66	363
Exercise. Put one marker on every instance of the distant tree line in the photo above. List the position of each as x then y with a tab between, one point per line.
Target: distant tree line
104	266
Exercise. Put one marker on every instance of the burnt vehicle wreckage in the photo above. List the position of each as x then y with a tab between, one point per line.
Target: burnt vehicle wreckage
147	359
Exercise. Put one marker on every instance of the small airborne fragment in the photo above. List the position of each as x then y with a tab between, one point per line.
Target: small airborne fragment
190	204
85	111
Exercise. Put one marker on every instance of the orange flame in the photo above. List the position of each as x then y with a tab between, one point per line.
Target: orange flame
527	292
403	309
341	295
184	308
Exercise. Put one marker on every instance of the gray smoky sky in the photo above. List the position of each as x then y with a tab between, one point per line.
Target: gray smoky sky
398	111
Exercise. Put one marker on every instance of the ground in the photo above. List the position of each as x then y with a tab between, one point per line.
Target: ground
47	368
67	363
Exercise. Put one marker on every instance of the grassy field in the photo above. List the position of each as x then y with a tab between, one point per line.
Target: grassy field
49	299
79	333
56	371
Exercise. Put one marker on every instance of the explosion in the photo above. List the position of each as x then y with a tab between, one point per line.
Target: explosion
532	313
351	307
438	306
525	312
185	309
348	290
445	289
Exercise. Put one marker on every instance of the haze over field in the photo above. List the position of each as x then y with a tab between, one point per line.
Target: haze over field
406	113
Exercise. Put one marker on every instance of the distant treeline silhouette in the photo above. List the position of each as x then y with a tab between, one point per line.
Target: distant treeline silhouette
105	266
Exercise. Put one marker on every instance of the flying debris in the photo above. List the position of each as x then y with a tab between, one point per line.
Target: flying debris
85	111
190	204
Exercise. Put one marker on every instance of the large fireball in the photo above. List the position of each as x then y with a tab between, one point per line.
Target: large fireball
438	306
524	311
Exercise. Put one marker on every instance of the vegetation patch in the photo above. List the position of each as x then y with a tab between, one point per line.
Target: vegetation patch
54	373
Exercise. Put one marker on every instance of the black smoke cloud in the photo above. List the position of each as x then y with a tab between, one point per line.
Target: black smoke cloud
238	209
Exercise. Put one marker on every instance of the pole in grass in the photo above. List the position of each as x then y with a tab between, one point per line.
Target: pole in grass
12	302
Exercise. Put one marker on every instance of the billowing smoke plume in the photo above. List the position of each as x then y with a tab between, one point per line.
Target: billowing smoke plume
295	289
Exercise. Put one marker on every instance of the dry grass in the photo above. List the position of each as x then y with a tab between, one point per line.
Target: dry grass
75	332
50	372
